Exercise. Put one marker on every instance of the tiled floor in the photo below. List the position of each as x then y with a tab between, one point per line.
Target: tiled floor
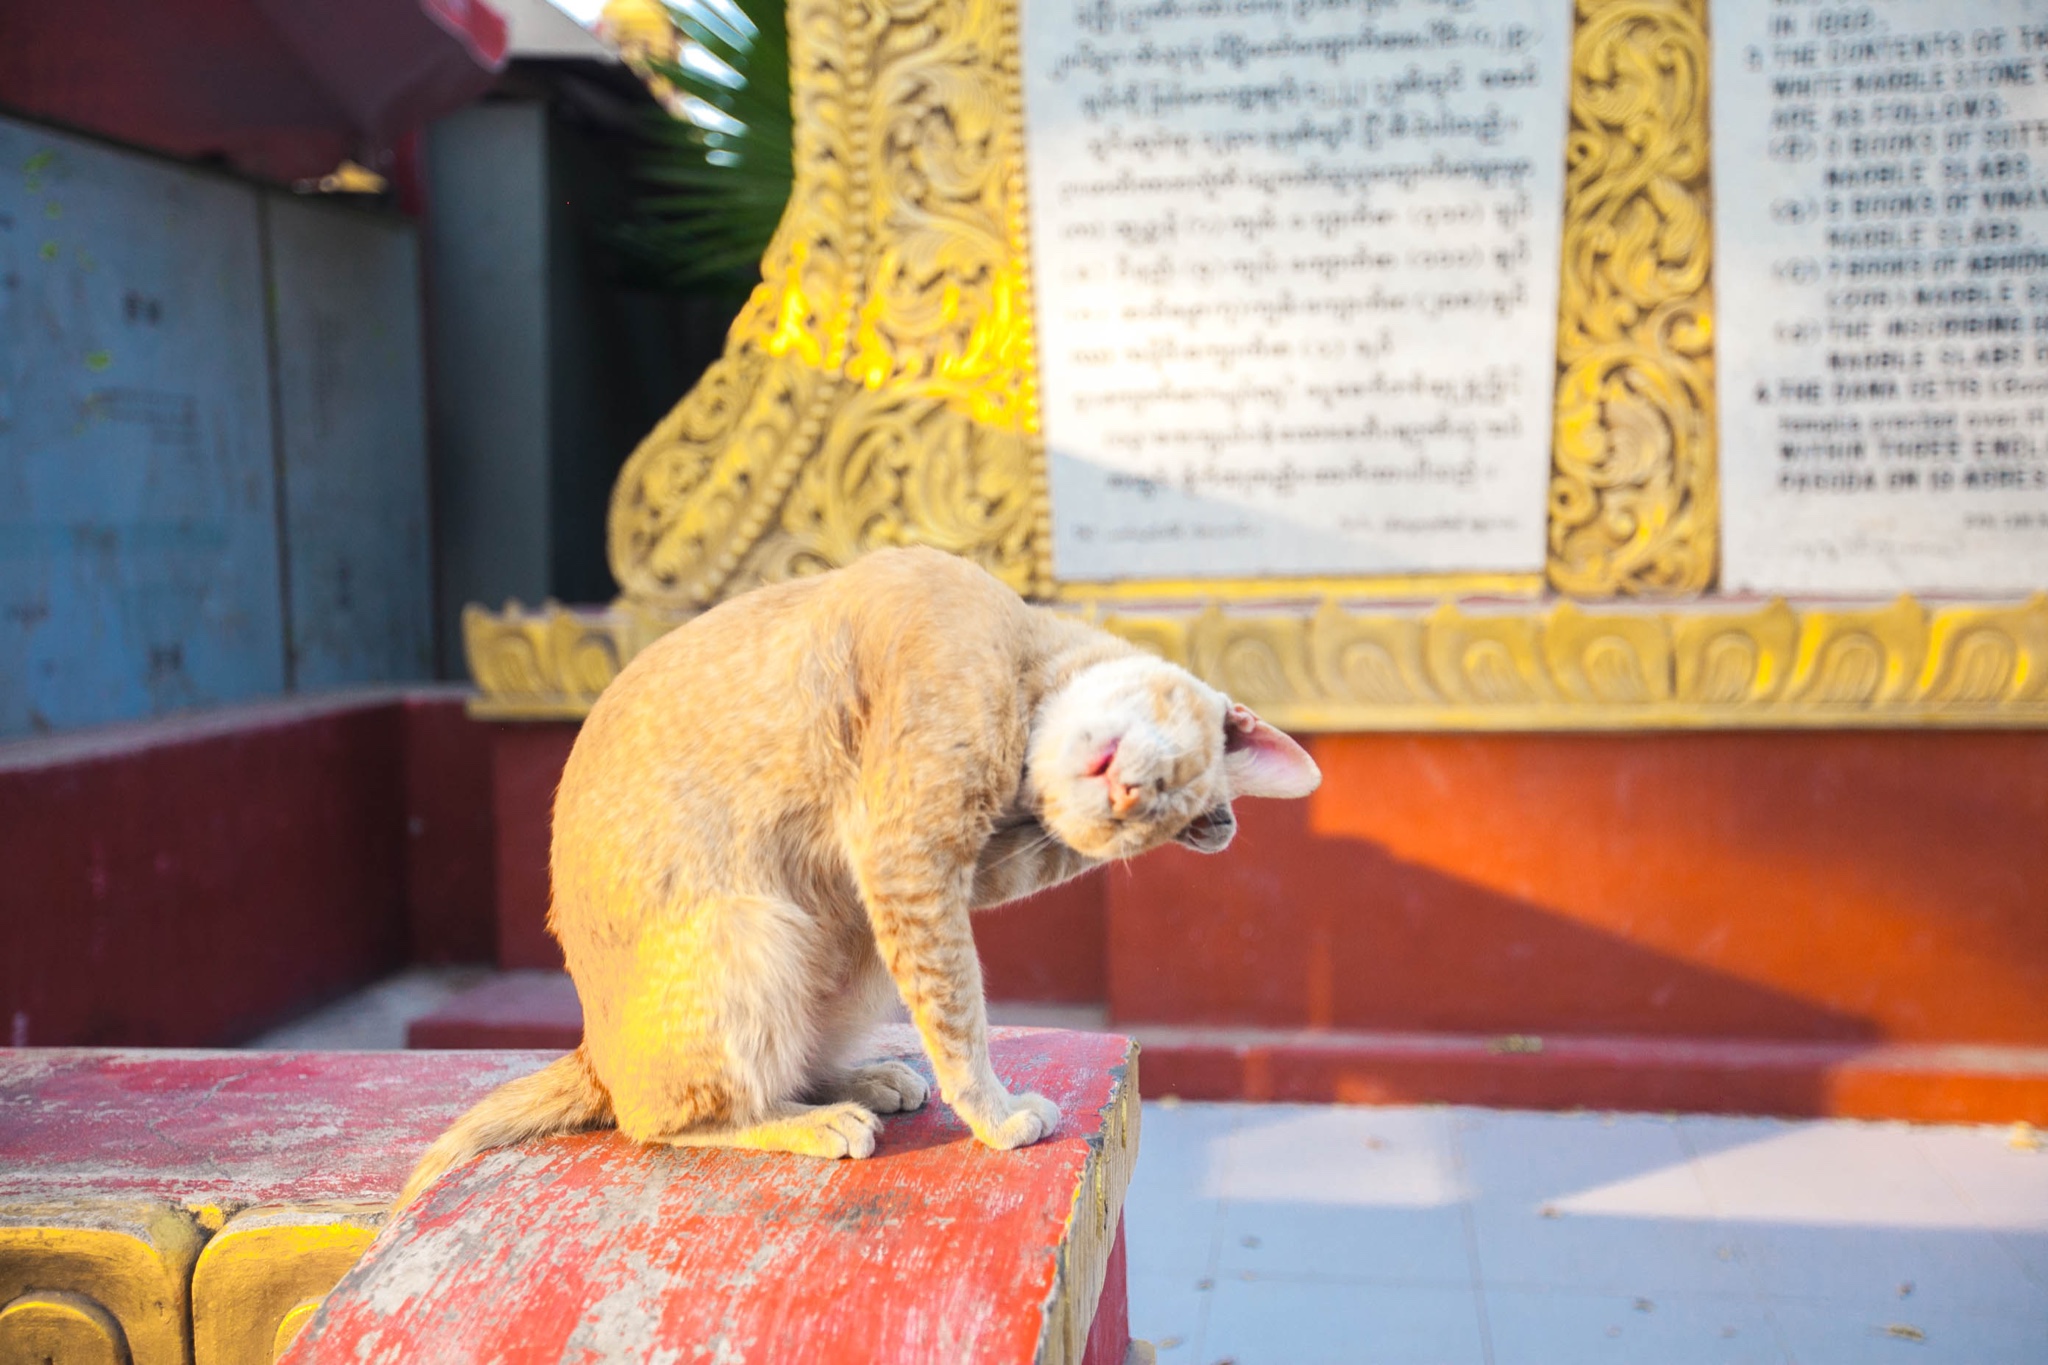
1304	1233
1298	1234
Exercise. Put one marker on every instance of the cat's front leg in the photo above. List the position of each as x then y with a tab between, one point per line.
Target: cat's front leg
921	929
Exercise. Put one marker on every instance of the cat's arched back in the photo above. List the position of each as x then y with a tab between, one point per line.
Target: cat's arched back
778	816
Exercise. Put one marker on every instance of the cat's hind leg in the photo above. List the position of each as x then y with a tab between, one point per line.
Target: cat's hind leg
887	1087
822	1130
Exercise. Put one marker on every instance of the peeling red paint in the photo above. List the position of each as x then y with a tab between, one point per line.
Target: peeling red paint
593	1248
230	1127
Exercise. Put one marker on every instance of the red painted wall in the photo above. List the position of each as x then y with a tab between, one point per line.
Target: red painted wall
526	767
1842	886
1812	885
193	880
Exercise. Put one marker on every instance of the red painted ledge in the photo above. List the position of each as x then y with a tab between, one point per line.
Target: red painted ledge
933	1249
1923	1082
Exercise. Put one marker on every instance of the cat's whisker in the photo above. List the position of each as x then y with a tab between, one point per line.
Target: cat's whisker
1042	842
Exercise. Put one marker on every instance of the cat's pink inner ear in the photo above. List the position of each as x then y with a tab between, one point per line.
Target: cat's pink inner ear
1262	761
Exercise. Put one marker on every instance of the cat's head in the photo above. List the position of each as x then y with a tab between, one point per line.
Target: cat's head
1136	752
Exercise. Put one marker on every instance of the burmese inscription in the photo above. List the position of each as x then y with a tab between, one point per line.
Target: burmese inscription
1881	173
1296	268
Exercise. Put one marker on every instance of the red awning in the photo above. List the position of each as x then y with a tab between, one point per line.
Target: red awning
282	89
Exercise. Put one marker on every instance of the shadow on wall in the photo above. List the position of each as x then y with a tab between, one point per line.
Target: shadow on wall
1810	886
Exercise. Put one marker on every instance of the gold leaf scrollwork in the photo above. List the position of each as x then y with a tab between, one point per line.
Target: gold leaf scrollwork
1859	658
1608	660
878	388
1487	660
1633	493
554	661
1368	660
1985	656
1166	636
1259	660
1726	659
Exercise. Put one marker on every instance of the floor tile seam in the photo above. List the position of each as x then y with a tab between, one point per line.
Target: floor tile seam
1926	1303
1697	1167
1461	1171
2039	1277
2000	1235
1309	1277
1217	1219
1590	1291
1750	1270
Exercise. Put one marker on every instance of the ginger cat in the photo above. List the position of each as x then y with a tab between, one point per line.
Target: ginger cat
782	811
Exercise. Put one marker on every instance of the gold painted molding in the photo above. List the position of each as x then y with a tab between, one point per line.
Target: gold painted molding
1467	666
148	1283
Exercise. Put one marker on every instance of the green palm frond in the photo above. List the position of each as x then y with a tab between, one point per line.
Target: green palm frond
718	173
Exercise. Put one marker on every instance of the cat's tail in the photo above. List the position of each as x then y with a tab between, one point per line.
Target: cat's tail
562	1097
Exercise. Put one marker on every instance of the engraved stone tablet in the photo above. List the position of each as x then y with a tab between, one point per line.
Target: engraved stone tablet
1296	281
1881	193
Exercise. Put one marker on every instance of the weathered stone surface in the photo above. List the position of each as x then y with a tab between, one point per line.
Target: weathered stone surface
934	1249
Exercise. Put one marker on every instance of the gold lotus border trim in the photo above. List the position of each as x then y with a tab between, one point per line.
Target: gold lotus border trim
1462	666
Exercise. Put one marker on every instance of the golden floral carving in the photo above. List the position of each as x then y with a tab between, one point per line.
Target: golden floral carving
553	662
1634	492
878	388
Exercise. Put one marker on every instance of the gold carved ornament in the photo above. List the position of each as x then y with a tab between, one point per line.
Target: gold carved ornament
1633	494
879	389
140	1282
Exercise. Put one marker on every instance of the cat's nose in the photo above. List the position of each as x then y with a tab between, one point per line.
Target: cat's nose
1122	796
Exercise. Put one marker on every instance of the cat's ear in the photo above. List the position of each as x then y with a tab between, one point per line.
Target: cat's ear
1261	761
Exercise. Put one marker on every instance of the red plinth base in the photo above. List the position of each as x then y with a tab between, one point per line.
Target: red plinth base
933	1249
1926	1083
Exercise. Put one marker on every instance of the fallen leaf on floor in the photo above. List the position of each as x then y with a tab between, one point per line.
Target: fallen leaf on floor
2023	1137
1905	1331
1645	1306
1549	1211
1905	1288
1168	1343
1248	1241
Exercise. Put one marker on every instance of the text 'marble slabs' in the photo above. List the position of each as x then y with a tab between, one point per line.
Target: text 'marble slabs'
1881	275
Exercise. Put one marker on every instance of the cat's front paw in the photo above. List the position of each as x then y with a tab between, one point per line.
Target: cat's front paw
1027	1119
